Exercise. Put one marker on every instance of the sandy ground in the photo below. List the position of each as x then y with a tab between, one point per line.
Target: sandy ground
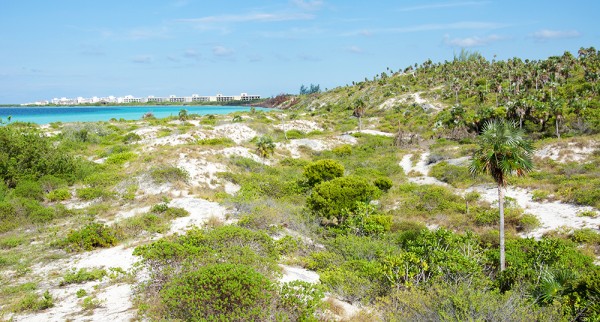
552	215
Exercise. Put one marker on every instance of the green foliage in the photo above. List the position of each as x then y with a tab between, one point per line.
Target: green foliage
81	293
92	193
34	302
169	174
26	153
11	241
334	198
120	158
265	146
29	189
59	194
131	138
221	141
342	150
94	235
457	176
383	183
219	292
82	275
322	170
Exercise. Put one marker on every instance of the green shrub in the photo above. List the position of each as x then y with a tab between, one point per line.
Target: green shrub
11	241
26	153
294	134
586	236
169	174
34	302
94	235
331	199
29	189
222	141
92	193
220	292
82	275
81	293
59	194
342	150
322	170
458	176
120	158
130	138
383	183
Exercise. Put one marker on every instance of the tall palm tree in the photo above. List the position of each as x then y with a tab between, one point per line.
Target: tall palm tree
503	150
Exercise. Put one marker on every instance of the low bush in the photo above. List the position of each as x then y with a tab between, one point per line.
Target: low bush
59	194
331	199
322	170
120	158
94	235
221	141
219	292
34	302
82	275
91	193
383	183
169	174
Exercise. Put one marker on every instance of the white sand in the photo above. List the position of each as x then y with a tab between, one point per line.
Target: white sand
304	126
551	215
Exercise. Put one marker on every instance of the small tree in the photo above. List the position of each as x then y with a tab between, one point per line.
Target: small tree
183	115
322	170
502	150
359	111
265	146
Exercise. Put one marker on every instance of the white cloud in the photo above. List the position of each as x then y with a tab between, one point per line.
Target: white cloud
474	41
443	5
192	54
221	51
355	50
461	25
546	34
308	5
251	17
142	59
148	33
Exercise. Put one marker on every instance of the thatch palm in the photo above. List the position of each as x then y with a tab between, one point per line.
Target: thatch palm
503	150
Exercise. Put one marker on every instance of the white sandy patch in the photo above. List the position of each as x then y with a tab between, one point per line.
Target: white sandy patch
131	213
552	215
231	188
294	273
115	304
147	132
200	211
174	139
200	170
304	126
239	133
421	168
314	144
573	152
238	151
374	132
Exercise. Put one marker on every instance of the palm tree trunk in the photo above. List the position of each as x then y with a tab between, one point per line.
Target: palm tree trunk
557	132
501	208
359	124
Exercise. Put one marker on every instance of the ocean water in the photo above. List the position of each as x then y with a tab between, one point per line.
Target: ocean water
45	115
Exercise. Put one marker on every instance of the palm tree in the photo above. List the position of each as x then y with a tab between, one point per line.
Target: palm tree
359	111
503	150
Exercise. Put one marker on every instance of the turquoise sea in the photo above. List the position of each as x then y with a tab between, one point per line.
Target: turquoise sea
45	115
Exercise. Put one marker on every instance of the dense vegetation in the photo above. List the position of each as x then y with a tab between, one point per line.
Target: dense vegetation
406	251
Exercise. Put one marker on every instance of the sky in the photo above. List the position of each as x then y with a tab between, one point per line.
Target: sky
71	48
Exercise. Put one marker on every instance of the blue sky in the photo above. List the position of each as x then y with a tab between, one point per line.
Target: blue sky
90	48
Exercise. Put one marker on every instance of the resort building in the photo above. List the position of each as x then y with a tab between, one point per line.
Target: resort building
244	97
